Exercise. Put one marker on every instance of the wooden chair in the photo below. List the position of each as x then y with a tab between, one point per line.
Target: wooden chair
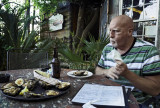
24	60
154	101
147	101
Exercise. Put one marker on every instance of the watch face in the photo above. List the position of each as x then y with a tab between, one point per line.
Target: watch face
55	22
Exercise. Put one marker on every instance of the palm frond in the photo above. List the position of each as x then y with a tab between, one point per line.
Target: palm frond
94	47
29	40
44	45
71	56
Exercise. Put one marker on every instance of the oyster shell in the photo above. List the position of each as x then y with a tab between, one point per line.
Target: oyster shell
31	95
51	93
63	85
8	85
19	82
44	84
80	73
31	83
12	91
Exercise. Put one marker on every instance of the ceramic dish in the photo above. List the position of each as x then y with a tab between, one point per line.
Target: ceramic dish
70	73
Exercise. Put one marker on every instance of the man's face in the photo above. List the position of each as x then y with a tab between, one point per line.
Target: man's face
118	35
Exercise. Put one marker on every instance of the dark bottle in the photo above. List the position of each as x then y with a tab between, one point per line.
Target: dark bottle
55	65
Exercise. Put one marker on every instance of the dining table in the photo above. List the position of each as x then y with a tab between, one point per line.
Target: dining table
63	101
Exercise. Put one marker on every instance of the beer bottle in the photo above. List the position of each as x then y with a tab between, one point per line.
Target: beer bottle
55	65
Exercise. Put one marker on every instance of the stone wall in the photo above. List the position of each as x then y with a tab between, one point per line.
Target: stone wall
66	28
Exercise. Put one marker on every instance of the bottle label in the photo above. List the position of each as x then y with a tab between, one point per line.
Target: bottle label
56	70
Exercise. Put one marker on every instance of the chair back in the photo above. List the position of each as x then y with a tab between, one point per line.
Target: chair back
26	60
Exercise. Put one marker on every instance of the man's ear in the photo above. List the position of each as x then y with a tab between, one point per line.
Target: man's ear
130	30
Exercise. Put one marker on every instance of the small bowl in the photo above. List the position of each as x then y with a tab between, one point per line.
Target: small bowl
4	78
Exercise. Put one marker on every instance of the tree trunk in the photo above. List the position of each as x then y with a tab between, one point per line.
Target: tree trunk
28	15
80	25
33	19
89	27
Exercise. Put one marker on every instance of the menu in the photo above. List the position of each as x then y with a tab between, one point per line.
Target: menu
100	95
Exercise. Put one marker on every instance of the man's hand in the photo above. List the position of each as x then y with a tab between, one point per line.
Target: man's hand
121	68
111	73
114	72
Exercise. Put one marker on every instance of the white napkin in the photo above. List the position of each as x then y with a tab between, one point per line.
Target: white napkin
49	80
88	104
115	55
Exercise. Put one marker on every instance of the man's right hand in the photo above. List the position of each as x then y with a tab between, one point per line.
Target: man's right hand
111	73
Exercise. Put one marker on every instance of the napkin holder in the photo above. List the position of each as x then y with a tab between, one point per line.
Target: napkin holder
4	78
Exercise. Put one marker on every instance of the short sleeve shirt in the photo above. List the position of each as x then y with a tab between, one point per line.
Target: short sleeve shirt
142	58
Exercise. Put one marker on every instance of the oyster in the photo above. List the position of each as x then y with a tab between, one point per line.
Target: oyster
80	73
44	84
19	82
12	91
8	85
30	84
51	93
31	95
63	85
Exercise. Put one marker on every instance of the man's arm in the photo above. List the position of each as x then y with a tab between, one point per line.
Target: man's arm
99	71
148	84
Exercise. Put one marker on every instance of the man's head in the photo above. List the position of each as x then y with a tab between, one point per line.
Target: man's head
121	28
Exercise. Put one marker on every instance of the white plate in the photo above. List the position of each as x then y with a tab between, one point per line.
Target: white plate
71	74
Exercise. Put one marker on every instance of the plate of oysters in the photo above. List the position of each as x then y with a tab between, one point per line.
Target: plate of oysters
80	74
33	89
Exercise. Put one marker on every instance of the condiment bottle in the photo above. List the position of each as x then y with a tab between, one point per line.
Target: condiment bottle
55	65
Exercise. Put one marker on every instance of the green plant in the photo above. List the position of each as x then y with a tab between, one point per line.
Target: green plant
46	6
92	48
14	26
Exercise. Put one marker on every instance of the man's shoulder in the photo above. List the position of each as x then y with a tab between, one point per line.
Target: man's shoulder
143	43
108	46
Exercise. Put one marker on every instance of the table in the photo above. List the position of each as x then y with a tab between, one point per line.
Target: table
63	101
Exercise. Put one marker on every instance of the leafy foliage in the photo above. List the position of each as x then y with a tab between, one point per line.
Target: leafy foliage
70	55
88	3
92	48
14	32
46	6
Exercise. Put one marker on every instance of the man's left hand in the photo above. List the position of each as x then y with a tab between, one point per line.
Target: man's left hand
121	68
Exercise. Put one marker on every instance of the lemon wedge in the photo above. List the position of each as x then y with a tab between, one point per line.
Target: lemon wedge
43	73
24	90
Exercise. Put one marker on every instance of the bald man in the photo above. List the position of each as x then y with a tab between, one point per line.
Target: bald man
141	62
